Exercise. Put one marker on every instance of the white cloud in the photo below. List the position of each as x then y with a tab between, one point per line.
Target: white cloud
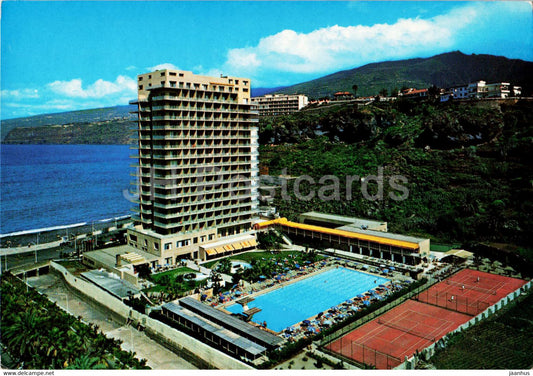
98	89
20	94
163	66
131	68
337	47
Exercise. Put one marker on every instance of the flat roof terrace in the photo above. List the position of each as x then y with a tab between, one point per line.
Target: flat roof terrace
340	220
213	332
242	328
115	286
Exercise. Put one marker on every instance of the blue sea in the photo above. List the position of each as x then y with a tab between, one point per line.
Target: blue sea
45	186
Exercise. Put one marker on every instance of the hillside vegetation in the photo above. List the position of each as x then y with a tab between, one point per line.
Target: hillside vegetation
108	125
468	166
445	70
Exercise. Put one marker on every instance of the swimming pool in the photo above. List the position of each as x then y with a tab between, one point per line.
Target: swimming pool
298	301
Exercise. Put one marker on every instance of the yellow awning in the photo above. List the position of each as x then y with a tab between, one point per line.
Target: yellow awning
237	246
228	248
253	243
220	250
345	234
210	251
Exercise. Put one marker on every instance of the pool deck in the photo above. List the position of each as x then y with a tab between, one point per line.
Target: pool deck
312	270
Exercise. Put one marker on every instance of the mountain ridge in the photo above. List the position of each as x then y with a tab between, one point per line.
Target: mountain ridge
443	70
110	124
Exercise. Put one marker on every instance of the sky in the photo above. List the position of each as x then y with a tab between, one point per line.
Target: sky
62	56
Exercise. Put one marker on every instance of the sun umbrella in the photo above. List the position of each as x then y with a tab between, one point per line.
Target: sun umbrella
238	293
306	322
382	286
392	268
296	265
366	266
327	322
360	296
385	271
262	277
366	302
382	266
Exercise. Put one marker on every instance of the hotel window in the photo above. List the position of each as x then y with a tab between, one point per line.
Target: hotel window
140	87
245	83
133	238
149	76
171	73
181	74
167	246
140	78
162	74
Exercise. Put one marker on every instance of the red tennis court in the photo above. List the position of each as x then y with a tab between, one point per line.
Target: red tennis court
470	291
414	325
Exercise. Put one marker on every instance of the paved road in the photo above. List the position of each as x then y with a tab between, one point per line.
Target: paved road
16	259
157	356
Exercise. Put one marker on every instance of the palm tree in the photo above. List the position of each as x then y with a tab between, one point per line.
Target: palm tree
354	88
86	361
23	335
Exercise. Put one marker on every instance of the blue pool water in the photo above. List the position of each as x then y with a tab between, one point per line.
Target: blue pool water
291	304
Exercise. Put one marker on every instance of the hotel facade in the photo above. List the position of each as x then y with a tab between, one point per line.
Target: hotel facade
280	104
197	169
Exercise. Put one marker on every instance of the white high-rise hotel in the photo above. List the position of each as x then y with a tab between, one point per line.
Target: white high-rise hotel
197	170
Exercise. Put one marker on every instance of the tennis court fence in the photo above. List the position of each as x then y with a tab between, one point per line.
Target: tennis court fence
451	301
362	354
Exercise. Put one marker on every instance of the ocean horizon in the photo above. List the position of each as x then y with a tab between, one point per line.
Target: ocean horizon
60	186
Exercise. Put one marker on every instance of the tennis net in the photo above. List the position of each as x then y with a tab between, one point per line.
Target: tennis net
470	287
417	333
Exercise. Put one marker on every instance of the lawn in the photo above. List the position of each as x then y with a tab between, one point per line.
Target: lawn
156	278
442	247
249	256
504	342
167	281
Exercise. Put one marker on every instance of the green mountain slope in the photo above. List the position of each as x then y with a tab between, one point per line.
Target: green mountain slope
445	70
466	166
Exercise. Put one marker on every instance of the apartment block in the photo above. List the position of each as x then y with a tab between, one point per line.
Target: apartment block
279	104
480	89
197	167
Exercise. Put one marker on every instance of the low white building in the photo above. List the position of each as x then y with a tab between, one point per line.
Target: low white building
279	104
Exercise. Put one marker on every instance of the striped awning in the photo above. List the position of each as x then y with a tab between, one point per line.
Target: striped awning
210	251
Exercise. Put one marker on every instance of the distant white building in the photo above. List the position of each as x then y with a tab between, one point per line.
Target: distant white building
279	104
480	89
